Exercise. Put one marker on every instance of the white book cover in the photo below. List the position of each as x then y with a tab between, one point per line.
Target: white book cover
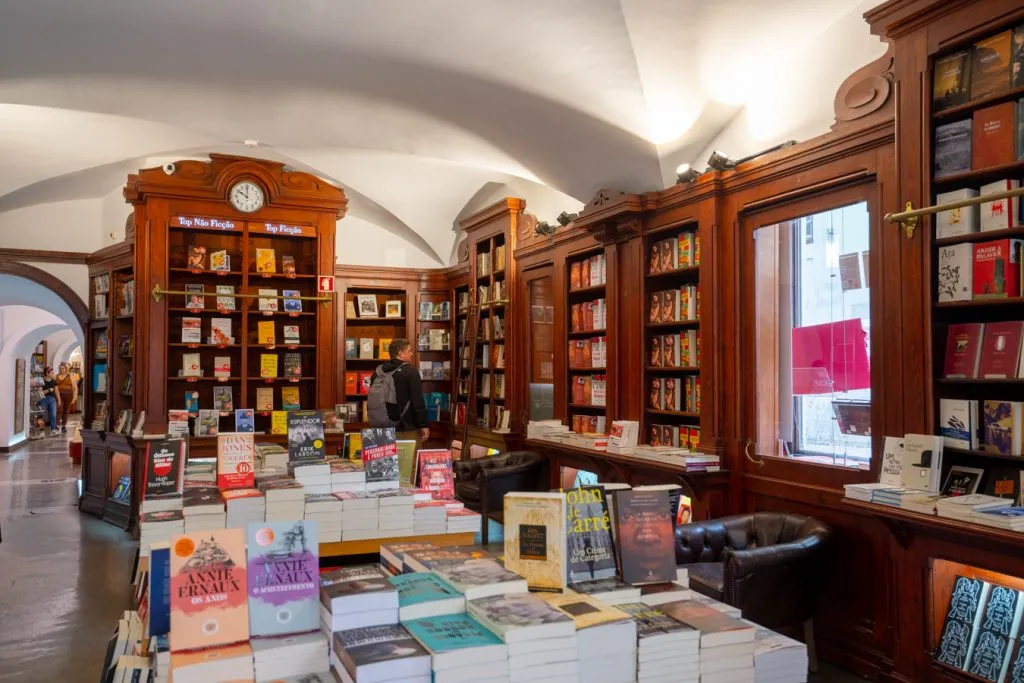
922	462
892	462
191	331
962	221
957	423
190	365
265	302
999	214
954	273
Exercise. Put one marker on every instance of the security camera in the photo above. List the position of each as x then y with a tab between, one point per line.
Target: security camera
169	168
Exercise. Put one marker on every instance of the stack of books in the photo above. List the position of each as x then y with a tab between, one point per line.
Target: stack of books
667	651
726	643
325	509
358	515
1010	518
654	594
866	491
546	429
271	455
315	475
392	555
244	506
605	637
476	577
461	520
293	655
963	507
778	659
156	527
203	509
356	597
923	503
285	500
610	591
227	663
395	513
379	653
894	495
422	595
347	475
429	518
461	649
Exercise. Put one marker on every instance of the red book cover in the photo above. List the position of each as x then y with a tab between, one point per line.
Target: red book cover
963	350
997	269
575	324
577	424
577	390
435	473
364	382
1000	350
588	316
588	390
351	383
994	138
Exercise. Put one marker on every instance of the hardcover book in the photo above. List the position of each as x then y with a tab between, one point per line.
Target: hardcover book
535	538
990	66
265	261
380	458
994	130
305	436
164	468
290	399
209	605
265	333
284	580
292	304
385	653
954	273
963	350
244	420
645	538
589	535
264	399
956	222
953	148
1000	214
1000	350
268	300
951	80
961	624
235	461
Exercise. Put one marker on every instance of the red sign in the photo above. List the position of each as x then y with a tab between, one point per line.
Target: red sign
325	283
830	357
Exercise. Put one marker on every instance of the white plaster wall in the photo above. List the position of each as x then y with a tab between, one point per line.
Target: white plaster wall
75	276
361	243
61	226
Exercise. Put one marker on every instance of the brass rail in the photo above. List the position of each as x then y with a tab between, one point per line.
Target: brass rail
908	218
158	293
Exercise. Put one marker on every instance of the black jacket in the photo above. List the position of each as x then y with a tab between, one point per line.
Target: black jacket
408	388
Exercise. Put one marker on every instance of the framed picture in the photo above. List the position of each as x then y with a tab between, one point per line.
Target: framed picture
19	395
393	309
367	305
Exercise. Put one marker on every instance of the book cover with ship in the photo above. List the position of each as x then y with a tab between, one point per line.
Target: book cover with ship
283	578
164	467
209	602
305	436
644	534
535	538
235	458
589	535
380	457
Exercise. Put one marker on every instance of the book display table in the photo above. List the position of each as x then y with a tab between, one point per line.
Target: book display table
372	545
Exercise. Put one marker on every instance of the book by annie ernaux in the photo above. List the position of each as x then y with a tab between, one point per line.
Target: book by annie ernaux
209	602
164	466
283	572
305	435
589	531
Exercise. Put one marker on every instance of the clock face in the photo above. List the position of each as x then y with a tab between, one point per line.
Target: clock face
246	196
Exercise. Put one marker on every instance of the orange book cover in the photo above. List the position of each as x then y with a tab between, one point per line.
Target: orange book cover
588	315
994	131
574	276
588	390
577	390
990	66
577	424
585	274
587	360
351	383
209	590
655	311
575	319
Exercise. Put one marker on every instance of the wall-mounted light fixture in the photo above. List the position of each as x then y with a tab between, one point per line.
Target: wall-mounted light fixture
686	174
720	161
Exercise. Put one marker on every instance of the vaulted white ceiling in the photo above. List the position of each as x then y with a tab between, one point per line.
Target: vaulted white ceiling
417	107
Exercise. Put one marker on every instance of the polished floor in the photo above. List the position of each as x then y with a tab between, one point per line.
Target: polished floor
64	576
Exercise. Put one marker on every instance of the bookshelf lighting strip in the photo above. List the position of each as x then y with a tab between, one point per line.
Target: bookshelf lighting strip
908	218
158	293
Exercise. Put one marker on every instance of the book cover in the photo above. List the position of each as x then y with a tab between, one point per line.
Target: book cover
651	621
586	611
165	463
292	304
956	222
1000	350
194	299
293	365
265	261
279	422
421	587
190	365
225	297
382	348
996	630
191	330
1000	214
192	402
644	534
365	347
990	66
367	304
244	420
951	80
290	398
506	613
958	422
961	621
451	632
197	257
963	350
393	309
264	399
589	535
268	300
305	436
220	260
922	462
283	578
268	365
208	423
159	593
954	273
994	130
1017	67
435	474
1004	482
222	367
288	264
953	148
291	334
223	399
235	461
375	644
535	538
265	333
380	457
705	618
1002	427
209	604
962	481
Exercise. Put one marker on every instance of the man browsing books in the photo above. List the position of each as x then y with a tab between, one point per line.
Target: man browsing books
396	385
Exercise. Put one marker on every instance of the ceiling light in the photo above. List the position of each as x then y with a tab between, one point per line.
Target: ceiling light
720	161
686	174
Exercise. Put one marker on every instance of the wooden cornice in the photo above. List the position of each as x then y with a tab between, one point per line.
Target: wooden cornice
898	17
113	251
509	206
45	256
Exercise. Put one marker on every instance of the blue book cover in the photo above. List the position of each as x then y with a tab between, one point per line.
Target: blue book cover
420	587
451	632
291	304
283	577
244	420
1005	512
159	591
192	402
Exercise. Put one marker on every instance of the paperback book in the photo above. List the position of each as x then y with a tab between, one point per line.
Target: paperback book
535	538
235	461
283	573
380	458
305	436
644	534
589	535
165	464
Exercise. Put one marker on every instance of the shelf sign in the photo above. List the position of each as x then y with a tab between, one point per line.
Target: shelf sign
200	222
325	284
283	229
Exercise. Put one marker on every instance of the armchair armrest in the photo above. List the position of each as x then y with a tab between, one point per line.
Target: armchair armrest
701	542
466	470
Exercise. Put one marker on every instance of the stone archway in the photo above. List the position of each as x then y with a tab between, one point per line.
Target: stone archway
58	287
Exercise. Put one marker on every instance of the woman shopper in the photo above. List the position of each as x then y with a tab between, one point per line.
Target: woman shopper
67	393
50	399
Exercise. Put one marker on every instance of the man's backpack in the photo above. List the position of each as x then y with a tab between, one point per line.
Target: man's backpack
382	392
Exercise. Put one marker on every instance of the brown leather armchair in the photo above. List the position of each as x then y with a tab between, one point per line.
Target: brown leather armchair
481	484
766	564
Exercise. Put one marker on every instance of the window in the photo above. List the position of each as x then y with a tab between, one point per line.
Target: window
812	331
540	288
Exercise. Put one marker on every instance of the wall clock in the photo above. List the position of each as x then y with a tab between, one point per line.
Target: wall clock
246	196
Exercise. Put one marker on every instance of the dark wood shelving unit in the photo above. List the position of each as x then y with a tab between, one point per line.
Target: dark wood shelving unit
961	110
1017	231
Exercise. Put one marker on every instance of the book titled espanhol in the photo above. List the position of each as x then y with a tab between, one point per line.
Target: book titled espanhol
645	537
284	582
164	465
380	458
209	602
305	435
591	550
235	458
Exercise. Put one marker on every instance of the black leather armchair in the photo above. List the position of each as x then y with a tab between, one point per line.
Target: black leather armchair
481	484
766	564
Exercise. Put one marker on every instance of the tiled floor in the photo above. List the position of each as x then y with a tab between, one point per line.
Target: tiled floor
64	576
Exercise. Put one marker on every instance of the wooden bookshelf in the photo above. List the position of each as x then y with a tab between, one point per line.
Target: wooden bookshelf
435	346
587	323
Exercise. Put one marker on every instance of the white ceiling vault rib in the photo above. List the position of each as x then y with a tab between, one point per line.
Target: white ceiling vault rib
414	107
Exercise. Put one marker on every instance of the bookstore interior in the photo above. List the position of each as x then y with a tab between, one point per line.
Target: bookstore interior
767	422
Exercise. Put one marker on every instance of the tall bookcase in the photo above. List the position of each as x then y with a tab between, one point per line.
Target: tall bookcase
487	404
187	226
587	322
369	334
435	348
465	346
109	360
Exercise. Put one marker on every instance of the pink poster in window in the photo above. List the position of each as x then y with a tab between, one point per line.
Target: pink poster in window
435	473
831	357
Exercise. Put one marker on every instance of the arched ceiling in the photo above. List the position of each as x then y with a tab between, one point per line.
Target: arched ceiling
414	106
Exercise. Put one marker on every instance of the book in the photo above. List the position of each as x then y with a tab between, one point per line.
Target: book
290	398
716	627
165	466
383	352
422	595
291	334
235	461
350	309
1017	66
293	365
225	297
197	257
520	617
954	273
222	367
223	399
279	422
287	264
190	365
283	577
192	402
305	436
458	641
997	627
990	65
952	148
209	604
956	222
366	348
958	423
963	350
191	331
268	365
265	333
951	80
994	132
195	300
434	473
1005	482
961	621
962	480
999	214
220	260
268	300
393	309
643	521
1001	424
291	303
264	399
1000	350
591	551
367	305
381	653
535	538
380	458
244	420
922	462
265	261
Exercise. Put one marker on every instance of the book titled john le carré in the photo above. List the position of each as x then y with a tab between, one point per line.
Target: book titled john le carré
209	603
305	435
535	538
589	535
283	578
644	533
